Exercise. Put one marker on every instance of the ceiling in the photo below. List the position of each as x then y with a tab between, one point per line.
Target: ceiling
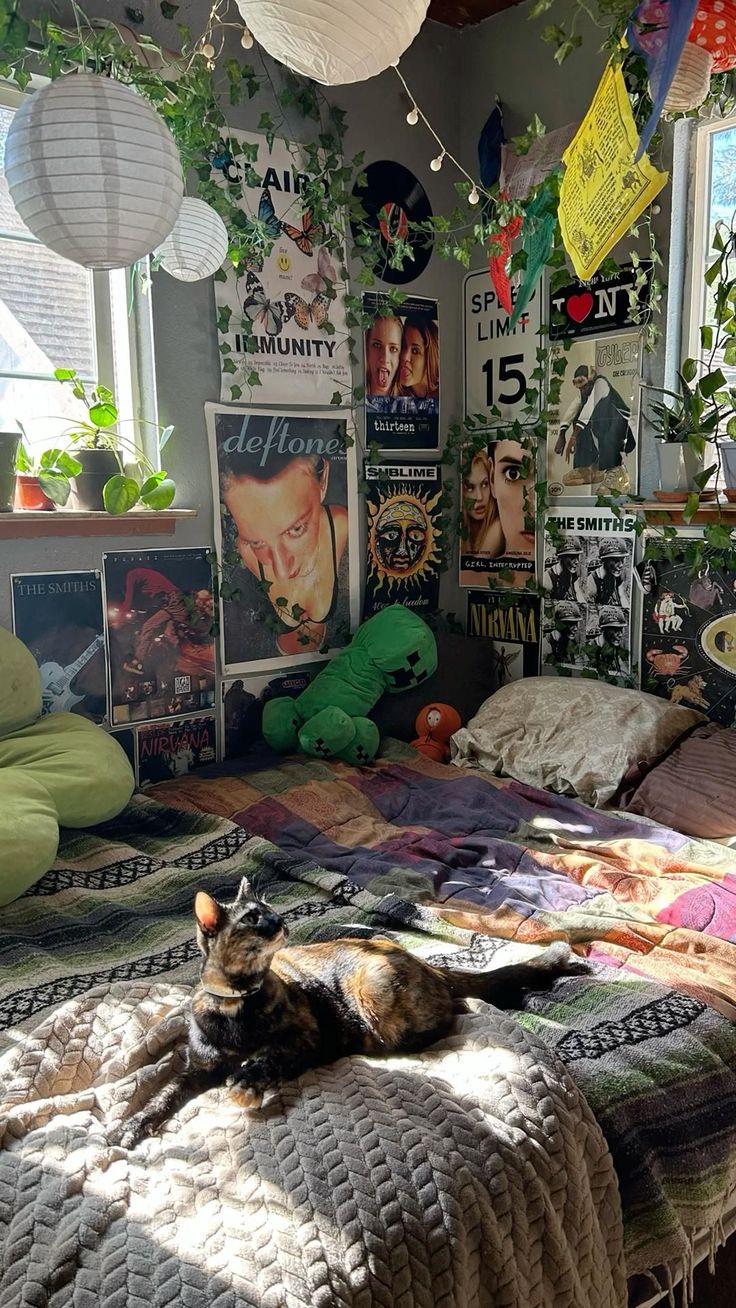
459	13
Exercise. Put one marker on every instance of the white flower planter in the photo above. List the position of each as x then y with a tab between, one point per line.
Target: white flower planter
679	465
728	463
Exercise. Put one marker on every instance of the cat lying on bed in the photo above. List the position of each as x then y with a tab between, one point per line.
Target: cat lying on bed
263	1014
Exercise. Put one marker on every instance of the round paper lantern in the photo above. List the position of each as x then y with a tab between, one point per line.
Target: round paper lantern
714	29
198	244
691	81
93	171
335	41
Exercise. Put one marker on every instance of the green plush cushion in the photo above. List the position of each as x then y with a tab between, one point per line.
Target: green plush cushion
29	832
84	770
20	684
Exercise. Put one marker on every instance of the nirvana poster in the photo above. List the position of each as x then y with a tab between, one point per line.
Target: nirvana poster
281	313
689	638
59	616
499	520
172	749
588	565
402	374
160	618
286	487
592	447
512	623
243	700
404	536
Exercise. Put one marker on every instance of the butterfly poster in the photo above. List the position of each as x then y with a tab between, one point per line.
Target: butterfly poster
402	374
281	313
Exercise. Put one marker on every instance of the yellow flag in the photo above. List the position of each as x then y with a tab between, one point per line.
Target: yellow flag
603	190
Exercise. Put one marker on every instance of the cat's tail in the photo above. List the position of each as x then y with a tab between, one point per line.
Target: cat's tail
505	986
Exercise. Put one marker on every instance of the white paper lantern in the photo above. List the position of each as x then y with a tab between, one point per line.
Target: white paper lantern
93	171
198	245
335	41
691	81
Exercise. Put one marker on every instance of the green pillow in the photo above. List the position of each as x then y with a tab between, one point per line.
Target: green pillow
82	768
29	832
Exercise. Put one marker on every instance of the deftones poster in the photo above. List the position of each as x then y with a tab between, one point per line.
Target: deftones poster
404	536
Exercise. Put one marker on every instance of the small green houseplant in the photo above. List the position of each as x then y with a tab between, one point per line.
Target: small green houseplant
43	482
684	422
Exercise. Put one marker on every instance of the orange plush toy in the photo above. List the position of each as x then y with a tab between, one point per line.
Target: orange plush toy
435	724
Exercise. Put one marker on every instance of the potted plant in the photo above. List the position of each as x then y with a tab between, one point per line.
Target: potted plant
43	482
683	424
9	442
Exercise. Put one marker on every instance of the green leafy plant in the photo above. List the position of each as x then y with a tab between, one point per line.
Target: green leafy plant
53	470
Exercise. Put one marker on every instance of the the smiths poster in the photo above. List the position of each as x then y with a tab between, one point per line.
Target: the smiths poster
243	700
402	374
281	313
689	638
588	564
592	440
512	623
498	513
286	486
160	619
172	749
404	536
58	615
608	302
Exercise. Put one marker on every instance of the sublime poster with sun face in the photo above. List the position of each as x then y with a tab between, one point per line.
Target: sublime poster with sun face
404	536
282	313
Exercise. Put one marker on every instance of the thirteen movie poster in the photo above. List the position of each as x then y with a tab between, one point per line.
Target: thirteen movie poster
287	488
172	749
59	616
402	374
498	513
281	313
243	701
511	622
160	621
404	536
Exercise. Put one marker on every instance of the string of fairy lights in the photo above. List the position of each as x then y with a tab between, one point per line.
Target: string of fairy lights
417	115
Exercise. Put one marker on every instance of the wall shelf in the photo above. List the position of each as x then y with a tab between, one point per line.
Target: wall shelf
29	525
656	512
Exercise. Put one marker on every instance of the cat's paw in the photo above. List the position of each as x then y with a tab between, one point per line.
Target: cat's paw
244	1096
130	1131
560	959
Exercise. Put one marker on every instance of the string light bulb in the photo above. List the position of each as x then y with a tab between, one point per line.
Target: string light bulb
412	117
208	50
474	196
246	39
437	163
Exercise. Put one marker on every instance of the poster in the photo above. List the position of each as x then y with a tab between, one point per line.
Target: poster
172	749
404	536
603	189
281	314
243	699
604	304
160	619
520	173
498	513
499	361
512	622
401	351
286	485
58	615
688	652
588	565
592	445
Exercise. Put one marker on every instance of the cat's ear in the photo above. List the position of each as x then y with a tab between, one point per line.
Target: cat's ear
210	915
245	891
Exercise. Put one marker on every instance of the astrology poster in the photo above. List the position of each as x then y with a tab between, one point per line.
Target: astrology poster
688	649
498	527
58	615
402	374
286	486
511	622
588	568
404	536
172	749
243	701
160	623
592	445
281	313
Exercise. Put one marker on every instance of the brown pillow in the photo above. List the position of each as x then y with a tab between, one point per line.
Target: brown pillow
694	788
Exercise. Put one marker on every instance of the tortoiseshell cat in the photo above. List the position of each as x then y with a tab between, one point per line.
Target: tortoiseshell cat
263	1014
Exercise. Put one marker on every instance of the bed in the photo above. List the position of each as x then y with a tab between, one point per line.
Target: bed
622	1083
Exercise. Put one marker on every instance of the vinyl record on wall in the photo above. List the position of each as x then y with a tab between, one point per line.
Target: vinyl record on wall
393	198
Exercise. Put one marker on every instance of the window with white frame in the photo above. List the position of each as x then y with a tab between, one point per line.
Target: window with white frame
713	200
53	314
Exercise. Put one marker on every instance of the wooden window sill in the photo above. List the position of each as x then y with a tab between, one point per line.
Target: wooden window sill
709	510
27	524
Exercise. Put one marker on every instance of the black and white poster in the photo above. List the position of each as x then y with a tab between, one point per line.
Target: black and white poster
243	700
281	313
404	536
59	616
160	625
402	374
604	304
512	622
499	359
592	434
286	487
588	567
688	653
498	529
172	749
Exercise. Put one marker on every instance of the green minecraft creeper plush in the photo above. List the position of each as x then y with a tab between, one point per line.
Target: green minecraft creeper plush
393	651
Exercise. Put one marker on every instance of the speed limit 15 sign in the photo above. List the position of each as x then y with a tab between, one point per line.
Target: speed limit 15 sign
499	360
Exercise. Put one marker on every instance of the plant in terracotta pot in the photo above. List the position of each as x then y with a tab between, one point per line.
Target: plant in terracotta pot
9	442
43	482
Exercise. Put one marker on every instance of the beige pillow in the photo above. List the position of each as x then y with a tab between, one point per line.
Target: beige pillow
571	735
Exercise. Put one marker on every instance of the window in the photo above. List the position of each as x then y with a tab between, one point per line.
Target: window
54	314
713	200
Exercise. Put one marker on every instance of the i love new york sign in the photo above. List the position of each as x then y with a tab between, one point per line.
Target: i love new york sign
600	305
